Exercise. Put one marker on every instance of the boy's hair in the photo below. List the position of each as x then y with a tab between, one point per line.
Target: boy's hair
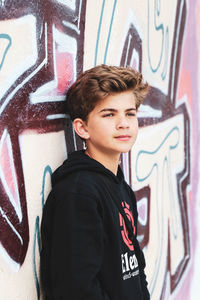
97	83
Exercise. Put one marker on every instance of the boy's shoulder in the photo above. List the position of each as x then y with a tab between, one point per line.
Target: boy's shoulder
75	176
82	174
77	179
78	169
75	186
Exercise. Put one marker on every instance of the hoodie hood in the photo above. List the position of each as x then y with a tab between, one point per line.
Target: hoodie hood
78	161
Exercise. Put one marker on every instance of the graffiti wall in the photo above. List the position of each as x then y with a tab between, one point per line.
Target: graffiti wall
44	45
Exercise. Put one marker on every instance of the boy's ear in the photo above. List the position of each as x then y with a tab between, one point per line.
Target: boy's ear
81	128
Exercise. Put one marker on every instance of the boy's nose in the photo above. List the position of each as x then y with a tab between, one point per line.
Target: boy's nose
122	123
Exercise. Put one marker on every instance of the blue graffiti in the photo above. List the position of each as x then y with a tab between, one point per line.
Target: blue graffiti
110	29
36	242
143	152
47	171
99	32
165	38
36	239
8	38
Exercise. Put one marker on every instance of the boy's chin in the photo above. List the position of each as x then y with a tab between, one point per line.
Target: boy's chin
126	149
123	151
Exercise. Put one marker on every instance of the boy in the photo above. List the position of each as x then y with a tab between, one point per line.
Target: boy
89	225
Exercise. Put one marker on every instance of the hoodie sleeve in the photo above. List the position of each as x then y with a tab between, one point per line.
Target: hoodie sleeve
142	265
139	253
76	249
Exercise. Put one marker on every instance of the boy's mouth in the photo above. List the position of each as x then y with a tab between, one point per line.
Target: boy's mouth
123	137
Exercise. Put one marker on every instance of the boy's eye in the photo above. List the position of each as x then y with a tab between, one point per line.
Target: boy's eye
108	115
133	114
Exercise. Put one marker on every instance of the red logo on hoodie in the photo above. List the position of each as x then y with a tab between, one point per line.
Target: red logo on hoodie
124	230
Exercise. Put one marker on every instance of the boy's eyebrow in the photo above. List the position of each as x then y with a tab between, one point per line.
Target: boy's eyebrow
132	108
114	110
108	109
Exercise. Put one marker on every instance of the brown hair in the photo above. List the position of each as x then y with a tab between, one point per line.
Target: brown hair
99	82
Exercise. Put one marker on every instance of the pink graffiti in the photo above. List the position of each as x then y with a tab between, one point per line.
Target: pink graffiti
35	100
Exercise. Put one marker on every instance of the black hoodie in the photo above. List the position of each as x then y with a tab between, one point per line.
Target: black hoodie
86	252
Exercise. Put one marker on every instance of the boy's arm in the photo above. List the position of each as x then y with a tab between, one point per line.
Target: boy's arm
142	265
139	252
76	249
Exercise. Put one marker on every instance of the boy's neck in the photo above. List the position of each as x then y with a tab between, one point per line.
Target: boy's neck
110	162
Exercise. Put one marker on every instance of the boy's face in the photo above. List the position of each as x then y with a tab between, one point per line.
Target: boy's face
112	126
